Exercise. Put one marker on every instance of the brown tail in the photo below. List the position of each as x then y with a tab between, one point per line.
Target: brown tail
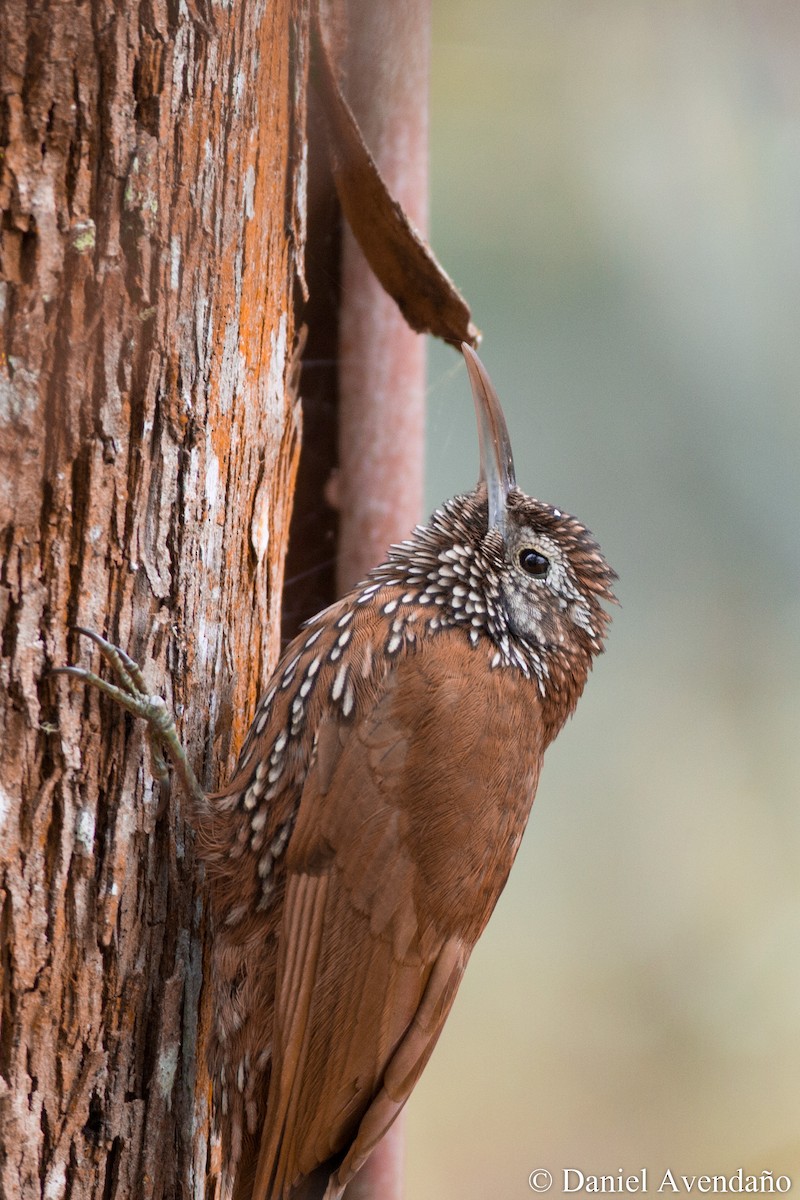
312	1187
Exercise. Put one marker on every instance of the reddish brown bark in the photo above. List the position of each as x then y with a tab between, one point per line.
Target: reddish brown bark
152	209
151	202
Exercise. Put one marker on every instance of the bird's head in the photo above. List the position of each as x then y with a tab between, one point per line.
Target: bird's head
502	564
552	577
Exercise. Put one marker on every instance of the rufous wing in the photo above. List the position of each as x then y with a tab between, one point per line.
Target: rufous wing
372	948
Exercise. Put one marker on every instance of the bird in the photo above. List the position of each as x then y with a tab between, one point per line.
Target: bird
375	811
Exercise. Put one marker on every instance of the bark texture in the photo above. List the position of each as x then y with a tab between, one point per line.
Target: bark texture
151	211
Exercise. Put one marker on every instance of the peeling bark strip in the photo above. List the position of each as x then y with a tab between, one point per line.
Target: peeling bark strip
152	164
401	259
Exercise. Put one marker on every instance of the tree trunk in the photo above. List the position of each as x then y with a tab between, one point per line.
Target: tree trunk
151	191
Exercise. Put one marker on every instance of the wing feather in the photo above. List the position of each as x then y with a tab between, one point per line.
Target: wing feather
378	924
407	1063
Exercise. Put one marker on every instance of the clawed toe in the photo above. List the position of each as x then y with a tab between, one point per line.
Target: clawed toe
126	668
131	693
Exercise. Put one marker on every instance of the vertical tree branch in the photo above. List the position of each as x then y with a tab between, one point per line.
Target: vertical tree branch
382	371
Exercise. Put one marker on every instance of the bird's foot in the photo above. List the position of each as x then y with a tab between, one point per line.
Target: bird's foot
131	692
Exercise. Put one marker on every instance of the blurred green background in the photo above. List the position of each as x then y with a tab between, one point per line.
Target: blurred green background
616	189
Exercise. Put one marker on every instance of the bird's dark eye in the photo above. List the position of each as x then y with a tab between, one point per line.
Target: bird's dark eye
533	562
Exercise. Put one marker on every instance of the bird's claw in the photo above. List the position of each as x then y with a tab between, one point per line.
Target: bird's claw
131	693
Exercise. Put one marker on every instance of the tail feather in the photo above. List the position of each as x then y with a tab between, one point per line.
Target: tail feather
311	1187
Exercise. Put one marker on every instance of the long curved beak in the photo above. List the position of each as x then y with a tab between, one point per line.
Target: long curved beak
497	461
